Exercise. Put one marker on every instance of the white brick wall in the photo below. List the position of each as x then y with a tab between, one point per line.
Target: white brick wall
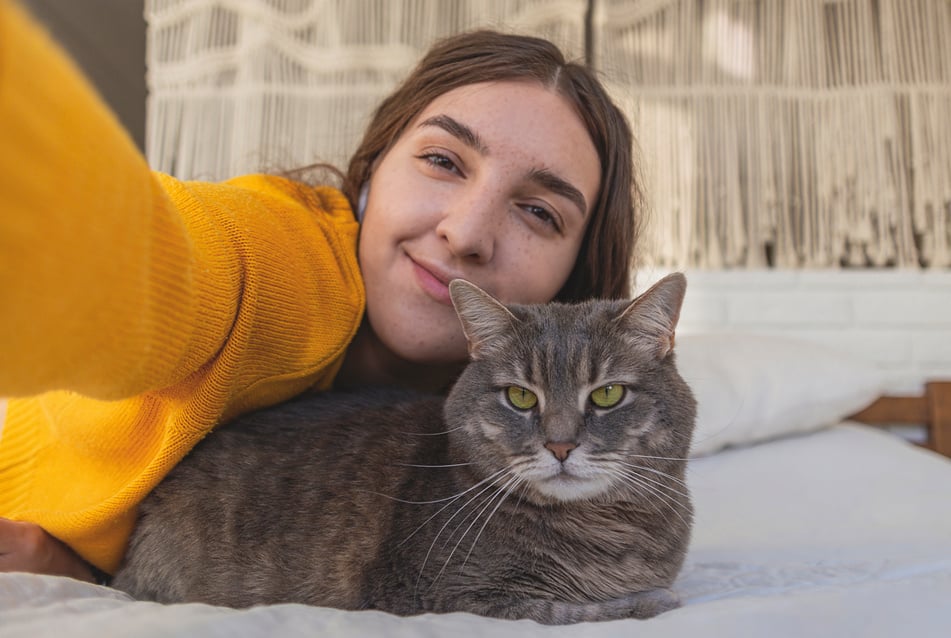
899	320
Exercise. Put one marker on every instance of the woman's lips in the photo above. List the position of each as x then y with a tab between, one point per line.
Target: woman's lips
432	285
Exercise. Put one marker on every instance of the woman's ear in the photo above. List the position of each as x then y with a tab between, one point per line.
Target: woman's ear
362	200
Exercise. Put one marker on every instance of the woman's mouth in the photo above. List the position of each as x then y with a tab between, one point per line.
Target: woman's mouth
432	284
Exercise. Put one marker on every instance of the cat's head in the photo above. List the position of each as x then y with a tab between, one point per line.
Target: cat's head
572	401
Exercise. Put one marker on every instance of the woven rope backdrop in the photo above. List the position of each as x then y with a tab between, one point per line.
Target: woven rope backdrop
784	133
240	86
791	133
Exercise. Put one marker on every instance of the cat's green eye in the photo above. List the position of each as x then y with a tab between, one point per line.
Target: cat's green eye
521	398
607	395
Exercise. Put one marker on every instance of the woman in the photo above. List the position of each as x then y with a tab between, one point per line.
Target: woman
141	311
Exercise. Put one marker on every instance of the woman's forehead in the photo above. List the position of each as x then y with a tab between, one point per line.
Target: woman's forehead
522	122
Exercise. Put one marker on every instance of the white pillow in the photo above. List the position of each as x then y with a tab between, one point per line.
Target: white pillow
755	388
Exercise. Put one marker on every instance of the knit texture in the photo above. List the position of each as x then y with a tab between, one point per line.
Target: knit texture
140	311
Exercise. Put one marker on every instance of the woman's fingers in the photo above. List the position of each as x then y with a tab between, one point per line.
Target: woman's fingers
26	547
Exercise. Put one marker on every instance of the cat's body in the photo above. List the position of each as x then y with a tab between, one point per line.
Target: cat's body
561	511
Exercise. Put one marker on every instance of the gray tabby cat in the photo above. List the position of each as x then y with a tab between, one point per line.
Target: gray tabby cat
548	485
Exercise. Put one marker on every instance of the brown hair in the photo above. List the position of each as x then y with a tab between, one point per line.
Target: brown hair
604	263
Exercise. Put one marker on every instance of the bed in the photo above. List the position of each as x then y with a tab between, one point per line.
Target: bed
808	522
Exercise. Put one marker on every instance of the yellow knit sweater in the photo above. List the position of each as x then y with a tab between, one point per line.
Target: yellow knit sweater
138	311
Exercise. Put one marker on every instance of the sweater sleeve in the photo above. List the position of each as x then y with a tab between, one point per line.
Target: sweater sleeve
137	311
106	288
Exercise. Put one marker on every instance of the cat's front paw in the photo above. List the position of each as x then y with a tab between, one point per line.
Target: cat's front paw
647	604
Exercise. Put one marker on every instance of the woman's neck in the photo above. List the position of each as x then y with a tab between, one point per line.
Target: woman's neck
369	362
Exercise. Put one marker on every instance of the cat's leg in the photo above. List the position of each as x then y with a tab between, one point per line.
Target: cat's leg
643	604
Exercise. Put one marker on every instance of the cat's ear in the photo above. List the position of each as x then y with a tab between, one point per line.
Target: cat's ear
652	317
484	320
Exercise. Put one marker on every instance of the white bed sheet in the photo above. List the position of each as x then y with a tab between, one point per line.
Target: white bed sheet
842	532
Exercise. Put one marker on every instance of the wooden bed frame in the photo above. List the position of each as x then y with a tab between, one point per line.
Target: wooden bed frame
932	410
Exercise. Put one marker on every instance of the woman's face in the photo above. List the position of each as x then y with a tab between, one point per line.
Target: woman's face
492	183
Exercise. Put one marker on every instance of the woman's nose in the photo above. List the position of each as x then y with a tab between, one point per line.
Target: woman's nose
470	227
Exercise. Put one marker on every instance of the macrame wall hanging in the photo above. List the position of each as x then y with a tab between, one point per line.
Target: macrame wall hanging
788	133
773	133
240	86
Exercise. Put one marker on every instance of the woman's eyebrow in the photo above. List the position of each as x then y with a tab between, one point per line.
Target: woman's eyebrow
549	181
541	176
458	130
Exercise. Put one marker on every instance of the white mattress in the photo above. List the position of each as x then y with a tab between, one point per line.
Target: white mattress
842	532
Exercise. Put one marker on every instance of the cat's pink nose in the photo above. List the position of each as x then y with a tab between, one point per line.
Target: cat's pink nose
560	450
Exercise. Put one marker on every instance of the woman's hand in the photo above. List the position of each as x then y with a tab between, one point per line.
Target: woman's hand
26	547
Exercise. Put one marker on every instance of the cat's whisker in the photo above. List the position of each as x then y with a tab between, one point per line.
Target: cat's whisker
525	486
456	513
501	491
628	485
449	504
451	534
443	433
648	495
428	466
672	507
621	457
518	480
632	455
652	470
660	484
664	498
655	481
476	510
426	522
438	500
473	512
657	487
522	462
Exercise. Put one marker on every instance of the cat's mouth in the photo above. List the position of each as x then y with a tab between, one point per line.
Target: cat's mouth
564	485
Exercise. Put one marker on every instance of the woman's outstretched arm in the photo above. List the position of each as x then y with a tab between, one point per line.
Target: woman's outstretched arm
159	308
100	281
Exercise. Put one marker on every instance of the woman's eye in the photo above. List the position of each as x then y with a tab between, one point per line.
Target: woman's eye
607	396
521	398
440	161
543	214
